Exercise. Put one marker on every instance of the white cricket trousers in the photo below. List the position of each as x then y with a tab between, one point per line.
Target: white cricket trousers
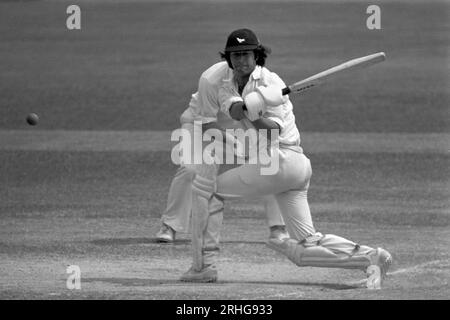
289	186
179	201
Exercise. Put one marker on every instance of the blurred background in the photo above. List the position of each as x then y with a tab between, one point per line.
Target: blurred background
134	64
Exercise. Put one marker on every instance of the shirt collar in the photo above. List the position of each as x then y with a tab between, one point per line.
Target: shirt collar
255	75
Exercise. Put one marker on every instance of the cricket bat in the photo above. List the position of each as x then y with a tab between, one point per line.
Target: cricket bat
354	64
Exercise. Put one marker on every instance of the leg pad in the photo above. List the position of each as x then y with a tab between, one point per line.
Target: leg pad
311	253
203	187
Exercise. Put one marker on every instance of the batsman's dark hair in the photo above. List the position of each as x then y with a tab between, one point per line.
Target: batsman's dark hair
261	53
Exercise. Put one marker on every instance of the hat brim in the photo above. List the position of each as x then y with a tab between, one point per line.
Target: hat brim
241	48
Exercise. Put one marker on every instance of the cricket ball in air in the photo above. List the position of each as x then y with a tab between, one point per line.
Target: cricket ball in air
32	119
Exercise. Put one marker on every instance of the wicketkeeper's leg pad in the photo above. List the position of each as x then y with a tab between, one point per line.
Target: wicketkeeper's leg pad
326	251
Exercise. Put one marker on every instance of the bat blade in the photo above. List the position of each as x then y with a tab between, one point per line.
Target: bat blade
354	64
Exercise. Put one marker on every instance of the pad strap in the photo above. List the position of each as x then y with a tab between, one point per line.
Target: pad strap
203	186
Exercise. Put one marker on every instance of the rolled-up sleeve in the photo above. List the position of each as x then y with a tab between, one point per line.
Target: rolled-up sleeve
227	97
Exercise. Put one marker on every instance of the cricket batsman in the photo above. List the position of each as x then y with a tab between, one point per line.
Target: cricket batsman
204	107
252	92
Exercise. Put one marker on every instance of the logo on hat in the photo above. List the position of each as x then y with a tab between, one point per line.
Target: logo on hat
241	40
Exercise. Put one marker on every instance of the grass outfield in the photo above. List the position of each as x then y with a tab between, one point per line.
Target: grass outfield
399	189
100	210
144	141
134	65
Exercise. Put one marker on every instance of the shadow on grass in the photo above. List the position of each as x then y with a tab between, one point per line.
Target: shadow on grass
139	282
131	241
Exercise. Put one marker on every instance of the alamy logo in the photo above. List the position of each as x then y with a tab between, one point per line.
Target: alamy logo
73	22
74	278
232	146
240	40
373	22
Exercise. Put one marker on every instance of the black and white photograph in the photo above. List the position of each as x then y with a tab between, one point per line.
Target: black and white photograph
236	152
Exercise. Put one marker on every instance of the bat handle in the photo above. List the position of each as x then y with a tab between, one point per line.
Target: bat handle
285	91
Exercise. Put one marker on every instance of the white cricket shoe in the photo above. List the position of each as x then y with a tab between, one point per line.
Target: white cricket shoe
380	261
207	274
165	234
279	233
